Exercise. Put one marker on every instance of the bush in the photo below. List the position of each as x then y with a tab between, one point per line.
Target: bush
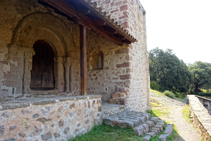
169	94
154	85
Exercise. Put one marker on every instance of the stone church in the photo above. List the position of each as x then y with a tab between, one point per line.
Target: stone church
63	61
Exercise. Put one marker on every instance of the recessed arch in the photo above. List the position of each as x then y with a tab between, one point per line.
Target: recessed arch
42	73
97	60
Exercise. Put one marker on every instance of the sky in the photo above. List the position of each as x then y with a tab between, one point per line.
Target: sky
181	25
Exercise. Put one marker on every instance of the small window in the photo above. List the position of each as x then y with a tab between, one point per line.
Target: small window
97	60
100	63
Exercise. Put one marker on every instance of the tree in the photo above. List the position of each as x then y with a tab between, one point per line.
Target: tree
201	72
168	71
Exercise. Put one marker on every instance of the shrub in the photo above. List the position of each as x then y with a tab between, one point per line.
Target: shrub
154	85
169	94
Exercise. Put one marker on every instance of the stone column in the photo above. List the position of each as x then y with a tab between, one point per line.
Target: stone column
27	73
59	73
67	63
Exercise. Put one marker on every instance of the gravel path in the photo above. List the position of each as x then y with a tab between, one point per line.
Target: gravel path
185	129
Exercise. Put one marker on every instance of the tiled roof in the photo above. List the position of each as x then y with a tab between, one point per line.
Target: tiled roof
98	10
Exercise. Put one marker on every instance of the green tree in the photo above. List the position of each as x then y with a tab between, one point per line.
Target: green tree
168	71
201	72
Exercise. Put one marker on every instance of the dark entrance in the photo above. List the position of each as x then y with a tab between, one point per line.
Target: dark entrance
42	74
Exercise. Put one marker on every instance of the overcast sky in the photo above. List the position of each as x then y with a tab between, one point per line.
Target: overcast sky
181	25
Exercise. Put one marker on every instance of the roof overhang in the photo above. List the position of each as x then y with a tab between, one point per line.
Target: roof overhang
86	13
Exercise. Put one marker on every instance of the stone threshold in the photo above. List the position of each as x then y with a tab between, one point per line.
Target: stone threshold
42	101
111	109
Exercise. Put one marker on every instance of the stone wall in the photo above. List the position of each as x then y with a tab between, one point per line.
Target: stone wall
130	14
49	119
200	117
112	76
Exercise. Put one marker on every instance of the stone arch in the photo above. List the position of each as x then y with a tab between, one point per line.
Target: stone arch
42	26
49	28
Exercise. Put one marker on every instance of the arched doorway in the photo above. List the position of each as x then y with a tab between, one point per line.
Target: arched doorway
42	73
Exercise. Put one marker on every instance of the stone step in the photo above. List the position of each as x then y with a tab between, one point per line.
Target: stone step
143	124
168	131
127	119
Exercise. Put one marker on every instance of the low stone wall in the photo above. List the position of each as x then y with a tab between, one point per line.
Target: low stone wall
49	119
206	103
200	117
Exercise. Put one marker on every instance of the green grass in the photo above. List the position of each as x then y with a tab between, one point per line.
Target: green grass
185	113
107	133
155	103
160	112
158	93
179	96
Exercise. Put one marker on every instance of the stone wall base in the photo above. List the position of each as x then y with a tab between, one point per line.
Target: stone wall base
53	119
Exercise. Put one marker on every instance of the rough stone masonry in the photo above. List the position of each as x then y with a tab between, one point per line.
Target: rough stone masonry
111	68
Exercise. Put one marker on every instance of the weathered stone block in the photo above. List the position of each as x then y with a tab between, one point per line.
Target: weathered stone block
21	134
2	130
46	136
147	137
169	129
113	101
122	101
123	65
56	135
12	127
124	7
125	77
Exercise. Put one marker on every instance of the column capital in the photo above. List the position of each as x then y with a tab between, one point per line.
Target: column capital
58	59
67	61
28	55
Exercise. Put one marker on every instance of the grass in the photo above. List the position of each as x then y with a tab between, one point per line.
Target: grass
158	93
155	103
160	112
185	113
107	133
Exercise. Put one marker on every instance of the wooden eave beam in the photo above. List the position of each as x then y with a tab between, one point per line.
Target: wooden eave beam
82	19
110	30
61	6
84	11
99	22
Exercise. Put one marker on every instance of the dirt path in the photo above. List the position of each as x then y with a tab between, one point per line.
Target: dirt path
186	130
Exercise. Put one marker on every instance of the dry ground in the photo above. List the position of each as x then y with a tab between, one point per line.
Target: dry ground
185	130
